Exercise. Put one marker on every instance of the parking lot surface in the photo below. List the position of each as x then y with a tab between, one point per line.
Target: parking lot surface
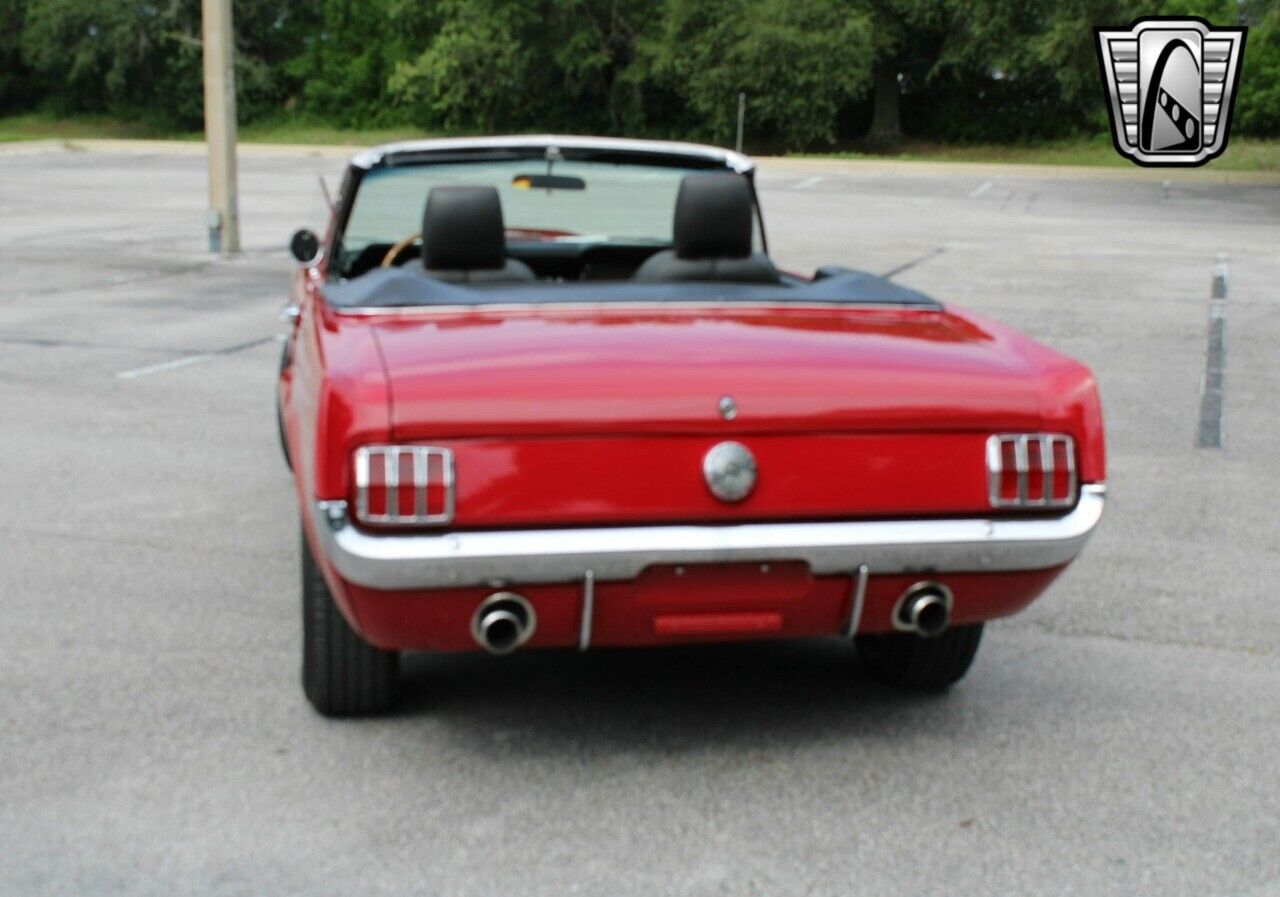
1119	737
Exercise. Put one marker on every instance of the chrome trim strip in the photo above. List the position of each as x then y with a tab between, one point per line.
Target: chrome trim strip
626	304
1021	465
450	492
995	468
471	558
588	610
421	475
391	480
1073	477
1046	469
362	484
736	161
857	600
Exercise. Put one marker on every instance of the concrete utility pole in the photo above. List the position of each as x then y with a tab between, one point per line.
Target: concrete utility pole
220	126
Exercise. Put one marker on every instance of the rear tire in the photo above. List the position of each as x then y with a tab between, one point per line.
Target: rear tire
342	674
909	661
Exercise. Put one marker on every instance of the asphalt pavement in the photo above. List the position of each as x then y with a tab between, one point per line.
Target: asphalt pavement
1122	736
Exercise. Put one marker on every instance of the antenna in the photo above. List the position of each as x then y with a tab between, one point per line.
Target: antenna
328	197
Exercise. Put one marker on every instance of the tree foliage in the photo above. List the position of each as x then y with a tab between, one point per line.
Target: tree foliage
144	58
479	69
812	70
16	88
799	62
1258	106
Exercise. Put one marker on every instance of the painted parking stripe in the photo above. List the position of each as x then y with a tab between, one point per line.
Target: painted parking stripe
1213	386
171	365
810	182
981	189
198	358
920	259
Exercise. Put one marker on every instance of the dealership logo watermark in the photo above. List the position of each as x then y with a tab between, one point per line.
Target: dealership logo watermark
1170	85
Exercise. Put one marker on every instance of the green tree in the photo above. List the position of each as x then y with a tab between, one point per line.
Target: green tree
480	69
348	55
136	58
1258	105
995	70
595	46
908	40
17	88
970	57
798	62
268	35
109	56
1064	46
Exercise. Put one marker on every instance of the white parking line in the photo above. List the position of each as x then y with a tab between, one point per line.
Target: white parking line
188	360
810	182
173	364
981	189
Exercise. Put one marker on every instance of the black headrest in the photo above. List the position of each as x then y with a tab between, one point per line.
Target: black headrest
462	229
713	216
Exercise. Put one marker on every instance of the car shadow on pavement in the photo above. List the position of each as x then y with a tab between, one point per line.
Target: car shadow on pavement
669	699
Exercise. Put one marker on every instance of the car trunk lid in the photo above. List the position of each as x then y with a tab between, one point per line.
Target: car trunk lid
604	415
604	370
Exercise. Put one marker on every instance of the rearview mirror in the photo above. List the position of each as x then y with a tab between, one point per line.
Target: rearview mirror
304	246
547	182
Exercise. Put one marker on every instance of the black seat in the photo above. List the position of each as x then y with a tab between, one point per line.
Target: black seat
711	236
463	238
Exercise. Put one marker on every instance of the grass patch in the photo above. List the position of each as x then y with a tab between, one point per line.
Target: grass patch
40	126
1243	154
291	131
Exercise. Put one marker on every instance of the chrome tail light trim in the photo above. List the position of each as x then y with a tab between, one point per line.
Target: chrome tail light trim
1021	443
390	458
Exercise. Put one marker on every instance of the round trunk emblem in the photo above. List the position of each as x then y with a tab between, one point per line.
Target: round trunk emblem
728	407
730	471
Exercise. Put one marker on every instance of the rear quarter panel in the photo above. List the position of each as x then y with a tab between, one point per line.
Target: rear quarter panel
336	398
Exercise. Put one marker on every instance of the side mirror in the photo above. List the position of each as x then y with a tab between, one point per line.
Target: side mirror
304	246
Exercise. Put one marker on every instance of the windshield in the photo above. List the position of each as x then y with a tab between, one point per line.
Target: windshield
602	202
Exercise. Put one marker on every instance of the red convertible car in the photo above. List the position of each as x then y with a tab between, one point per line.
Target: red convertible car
552	392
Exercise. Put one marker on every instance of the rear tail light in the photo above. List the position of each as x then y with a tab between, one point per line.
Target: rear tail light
1031	470
404	485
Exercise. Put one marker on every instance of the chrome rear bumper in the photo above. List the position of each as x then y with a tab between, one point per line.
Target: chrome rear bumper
418	561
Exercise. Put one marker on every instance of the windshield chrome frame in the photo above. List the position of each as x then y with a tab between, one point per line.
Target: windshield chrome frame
597	149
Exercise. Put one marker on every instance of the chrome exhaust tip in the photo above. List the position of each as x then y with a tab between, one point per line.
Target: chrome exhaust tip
503	622
924	609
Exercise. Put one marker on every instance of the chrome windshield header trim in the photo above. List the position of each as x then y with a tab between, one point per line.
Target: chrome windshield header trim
631	305
472	558
371	158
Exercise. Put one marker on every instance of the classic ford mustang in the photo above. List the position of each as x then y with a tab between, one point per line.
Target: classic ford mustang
552	392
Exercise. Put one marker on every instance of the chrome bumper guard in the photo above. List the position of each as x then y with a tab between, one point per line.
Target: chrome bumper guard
963	545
